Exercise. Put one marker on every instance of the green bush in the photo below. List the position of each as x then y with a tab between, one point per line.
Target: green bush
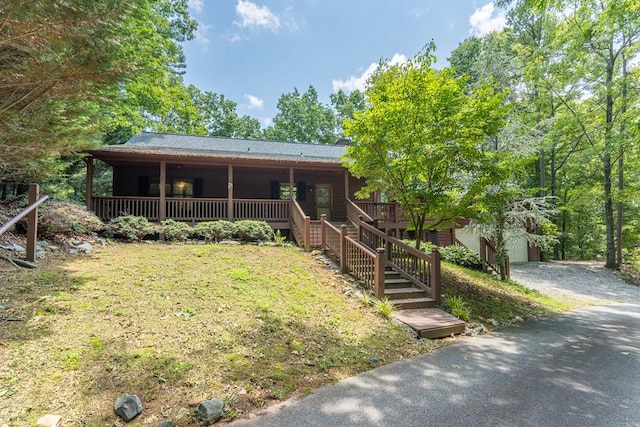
130	227
214	230
176	231
253	231
461	256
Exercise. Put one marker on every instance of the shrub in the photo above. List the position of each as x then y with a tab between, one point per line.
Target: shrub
253	231
461	256
64	218
130	227
214	230
176	231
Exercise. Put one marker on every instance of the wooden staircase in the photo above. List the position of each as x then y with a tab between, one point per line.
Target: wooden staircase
404	294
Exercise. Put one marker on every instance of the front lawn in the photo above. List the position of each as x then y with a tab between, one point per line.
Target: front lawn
176	324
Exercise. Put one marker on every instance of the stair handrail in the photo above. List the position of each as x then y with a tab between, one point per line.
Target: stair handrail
422	269
488	257
301	221
354	211
32	221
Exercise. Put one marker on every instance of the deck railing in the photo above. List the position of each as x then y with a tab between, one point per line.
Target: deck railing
265	210
196	209
383	212
107	208
354	212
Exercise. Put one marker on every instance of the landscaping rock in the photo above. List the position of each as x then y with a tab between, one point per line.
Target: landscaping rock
166	423
84	248
210	411
128	406
49	421
14	247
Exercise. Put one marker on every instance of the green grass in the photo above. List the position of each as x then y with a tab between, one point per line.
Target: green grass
174	323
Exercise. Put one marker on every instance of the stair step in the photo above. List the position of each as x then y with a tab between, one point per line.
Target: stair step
404	293
397	283
411	303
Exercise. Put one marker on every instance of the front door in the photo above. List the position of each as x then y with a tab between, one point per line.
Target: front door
324	200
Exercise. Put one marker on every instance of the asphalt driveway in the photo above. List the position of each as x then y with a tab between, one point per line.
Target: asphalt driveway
578	369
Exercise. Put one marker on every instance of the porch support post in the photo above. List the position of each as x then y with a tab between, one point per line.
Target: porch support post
346	184
162	208
344	269
230	192
291	183
89	187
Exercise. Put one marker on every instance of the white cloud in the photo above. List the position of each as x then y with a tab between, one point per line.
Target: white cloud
254	102
359	82
196	5
201	35
254	16
484	22
420	12
266	121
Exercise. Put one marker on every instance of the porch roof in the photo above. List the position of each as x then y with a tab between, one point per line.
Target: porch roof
156	145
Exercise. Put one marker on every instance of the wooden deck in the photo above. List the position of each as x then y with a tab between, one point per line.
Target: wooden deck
431	322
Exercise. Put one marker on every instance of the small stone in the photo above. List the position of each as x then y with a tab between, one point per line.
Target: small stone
196	401
316	253
518	319
14	247
374	360
210	411
49	421
166	423
85	248
128	406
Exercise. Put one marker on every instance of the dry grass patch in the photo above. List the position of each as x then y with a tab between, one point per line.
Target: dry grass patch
175	324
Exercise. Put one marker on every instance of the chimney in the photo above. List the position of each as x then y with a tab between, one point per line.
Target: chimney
344	141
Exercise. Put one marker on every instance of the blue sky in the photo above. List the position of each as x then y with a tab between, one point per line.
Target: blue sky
254	51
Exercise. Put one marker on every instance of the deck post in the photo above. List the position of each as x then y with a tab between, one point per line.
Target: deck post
388	244
323	234
436	276
32	223
346	185
343	249
359	228
291	184
483	254
89	186
307	233
162	209
378	275
230	192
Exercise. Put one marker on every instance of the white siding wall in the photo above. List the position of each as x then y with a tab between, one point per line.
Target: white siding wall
517	250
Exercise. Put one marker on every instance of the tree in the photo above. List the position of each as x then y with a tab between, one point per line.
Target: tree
66	64
302	118
345	105
419	141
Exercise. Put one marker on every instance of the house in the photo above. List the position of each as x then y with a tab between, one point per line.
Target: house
199	178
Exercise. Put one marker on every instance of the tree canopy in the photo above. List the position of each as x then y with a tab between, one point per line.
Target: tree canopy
420	140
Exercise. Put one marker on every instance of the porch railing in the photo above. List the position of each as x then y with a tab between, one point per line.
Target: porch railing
383	212
265	210
107	208
300	226
354	212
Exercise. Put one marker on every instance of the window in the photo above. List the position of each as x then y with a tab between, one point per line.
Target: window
285	192
174	187
281	191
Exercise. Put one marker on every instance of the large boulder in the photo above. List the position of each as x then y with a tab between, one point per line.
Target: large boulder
128	406
210	411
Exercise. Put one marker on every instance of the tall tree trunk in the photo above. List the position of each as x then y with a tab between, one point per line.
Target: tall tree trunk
610	260
623	110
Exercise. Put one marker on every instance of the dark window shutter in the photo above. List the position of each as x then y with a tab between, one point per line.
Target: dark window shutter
143	186
302	192
275	190
197	187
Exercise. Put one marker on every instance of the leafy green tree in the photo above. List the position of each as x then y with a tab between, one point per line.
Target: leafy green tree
302	117
420	141
345	105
